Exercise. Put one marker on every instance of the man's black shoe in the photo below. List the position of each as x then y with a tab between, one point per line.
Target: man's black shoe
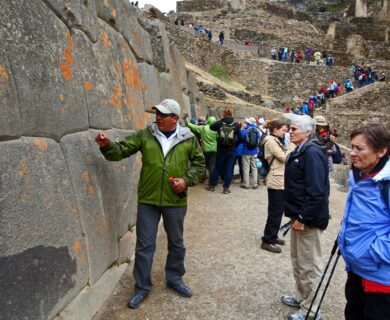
181	289
136	299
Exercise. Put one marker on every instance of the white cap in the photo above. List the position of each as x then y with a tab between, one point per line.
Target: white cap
168	106
250	120
261	121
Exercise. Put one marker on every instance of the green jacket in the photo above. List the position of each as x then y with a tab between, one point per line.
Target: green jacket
209	138
183	160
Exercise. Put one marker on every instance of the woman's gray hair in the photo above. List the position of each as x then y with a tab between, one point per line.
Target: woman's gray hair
304	122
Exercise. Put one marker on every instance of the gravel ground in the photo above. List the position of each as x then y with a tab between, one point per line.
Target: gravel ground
231	277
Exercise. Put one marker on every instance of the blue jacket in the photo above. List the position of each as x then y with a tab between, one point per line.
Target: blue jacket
364	238
306	185
305	108
245	150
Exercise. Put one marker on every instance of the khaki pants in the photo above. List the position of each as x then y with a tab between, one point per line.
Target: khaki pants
249	162
306	258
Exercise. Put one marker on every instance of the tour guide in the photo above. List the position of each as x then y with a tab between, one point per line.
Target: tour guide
168	150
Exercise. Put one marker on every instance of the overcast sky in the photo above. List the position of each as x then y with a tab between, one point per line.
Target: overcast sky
162	5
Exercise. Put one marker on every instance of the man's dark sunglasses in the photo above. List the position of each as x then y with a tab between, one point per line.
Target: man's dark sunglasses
164	115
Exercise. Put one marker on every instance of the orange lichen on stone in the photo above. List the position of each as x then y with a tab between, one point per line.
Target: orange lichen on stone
68	56
3	73
41	144
87	183
70	40
88	85
116	97
62	98
122	46
106	41
139	122
102	102
131	73
62	110
137	37
23	169
76	247
66	72
144	87
113	12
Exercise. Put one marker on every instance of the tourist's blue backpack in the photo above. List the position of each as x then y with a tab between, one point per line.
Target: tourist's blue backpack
337	157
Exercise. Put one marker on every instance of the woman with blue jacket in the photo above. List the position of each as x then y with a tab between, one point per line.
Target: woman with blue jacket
364	239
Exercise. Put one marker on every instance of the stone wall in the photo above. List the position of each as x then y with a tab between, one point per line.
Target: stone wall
200	52
284	81
199	5
364	105
67	215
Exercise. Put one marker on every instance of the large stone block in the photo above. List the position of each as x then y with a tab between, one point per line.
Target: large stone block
178	68
105	194
10	115
186	108
41	53
122	16
169	88
127	246
111	81
43	259
160	45
78	14
149	85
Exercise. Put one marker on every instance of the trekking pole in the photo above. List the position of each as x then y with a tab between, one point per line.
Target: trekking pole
328	282
335	246
284	228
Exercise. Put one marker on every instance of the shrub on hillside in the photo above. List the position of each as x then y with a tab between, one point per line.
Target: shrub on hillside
219	72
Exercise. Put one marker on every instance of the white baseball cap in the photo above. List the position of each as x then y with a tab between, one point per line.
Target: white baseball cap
168	106
250	120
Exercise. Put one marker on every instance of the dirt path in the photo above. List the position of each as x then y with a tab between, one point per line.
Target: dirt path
232	278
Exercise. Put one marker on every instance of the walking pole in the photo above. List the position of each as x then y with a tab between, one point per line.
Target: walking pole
285	228
327	284
322	278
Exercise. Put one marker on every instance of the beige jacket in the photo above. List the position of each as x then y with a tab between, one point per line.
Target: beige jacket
276	151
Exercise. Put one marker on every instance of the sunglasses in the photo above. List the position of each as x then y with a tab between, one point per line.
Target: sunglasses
165	115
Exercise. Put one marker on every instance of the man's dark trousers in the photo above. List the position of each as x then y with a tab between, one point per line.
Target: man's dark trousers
275	214
148	217
223	166
209	158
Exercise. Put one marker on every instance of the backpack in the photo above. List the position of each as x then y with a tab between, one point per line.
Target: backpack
252	138
265	166
226	134
337	158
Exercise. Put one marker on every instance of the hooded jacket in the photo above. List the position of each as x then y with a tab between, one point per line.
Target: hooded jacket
276	155
208	137
364	238
154	186
306	183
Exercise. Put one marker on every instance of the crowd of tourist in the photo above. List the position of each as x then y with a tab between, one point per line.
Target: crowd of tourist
285	54
297	156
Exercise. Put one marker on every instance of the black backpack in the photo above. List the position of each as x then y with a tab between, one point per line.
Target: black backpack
265	166
226	134
337	158
252	138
